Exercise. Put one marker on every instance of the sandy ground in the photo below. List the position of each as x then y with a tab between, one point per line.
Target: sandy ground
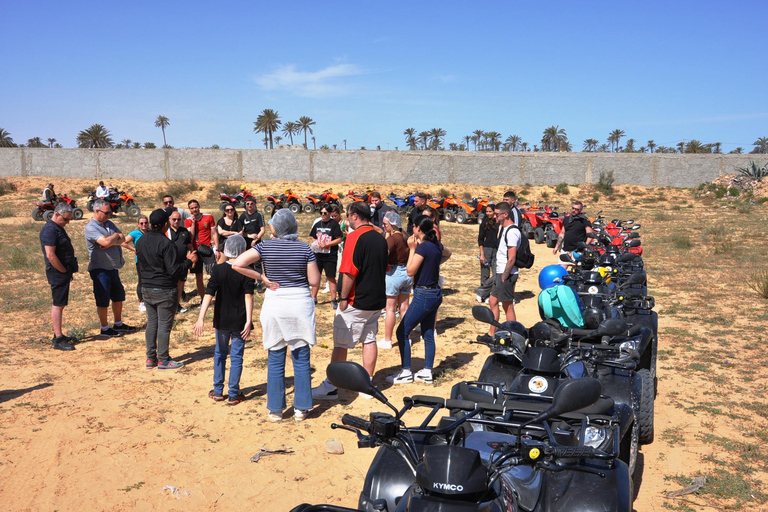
93	429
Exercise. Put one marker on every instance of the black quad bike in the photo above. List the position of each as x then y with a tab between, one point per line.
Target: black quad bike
529	457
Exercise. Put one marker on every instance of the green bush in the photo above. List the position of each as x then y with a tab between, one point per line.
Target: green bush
444	192
762	200
754	170
466	196
35	191
733	192
6	212
720	192
179	189
562	189
595	197
605	182
6	187
545	195
757	280
682	242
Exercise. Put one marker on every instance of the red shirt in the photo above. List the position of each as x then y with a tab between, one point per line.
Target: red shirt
203	228
365	259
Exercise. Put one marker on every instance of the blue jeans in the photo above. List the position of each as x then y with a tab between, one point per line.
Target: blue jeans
220	361
302	381
422	311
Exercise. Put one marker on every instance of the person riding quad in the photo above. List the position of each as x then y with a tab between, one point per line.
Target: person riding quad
49	196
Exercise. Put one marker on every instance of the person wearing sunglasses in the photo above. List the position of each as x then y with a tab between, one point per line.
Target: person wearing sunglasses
227	226
60	265
169	205
576	225
132	238
104	241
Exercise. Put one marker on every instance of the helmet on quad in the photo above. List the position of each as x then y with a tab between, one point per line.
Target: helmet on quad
551	275
242	187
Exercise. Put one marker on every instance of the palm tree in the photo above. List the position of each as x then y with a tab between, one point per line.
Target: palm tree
651	146
494	140
467	140
413	144
614	138
51	142
738	151
126	143
289	129
94	137
150	145
437	134
35	142
523	146
137	145
480	141
761	145
314	146
603	148
591	144
268	123
681	147
695	146
423	138
554	137
410	137
161	122
278	139
6	141
475	139
716	147
514	142
630	147
305	125
453	146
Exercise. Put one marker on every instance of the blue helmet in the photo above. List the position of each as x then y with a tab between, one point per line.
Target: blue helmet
549	275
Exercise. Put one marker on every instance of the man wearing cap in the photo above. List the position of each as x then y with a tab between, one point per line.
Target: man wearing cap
104	241
102	191
60	265
160	268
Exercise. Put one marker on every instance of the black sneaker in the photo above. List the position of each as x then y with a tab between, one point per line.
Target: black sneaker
261	287
485	338
63	343
110	333
334	304
128	329
170	365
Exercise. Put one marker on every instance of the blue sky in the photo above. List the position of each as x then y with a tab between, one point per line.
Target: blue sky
366	71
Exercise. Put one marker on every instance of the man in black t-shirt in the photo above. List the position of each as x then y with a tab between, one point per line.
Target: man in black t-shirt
254	228
327	236
419	204
576	225
60	265
182	239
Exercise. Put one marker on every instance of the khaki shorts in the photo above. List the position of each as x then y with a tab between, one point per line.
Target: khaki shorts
353	326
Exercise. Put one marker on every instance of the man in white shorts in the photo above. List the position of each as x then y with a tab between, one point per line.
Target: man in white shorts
363	294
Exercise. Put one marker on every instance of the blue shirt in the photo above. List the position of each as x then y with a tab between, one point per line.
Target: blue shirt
135	234
429	271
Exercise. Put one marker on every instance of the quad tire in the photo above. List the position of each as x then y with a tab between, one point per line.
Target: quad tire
133	211
551	238
89	205
309	208
269	208
77	214
295	208
462	217
645	411
37	214
222	206
538	235
527	230
629	448
449	215
48	215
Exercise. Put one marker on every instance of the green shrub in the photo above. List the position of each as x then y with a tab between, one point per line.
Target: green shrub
179	189
595	197
562	189
762	200
757	280
6	187
444	192
662	217
6	212
720	192
545	195
605	182
682	242
677	208
36	191
466	196
754	170
733	192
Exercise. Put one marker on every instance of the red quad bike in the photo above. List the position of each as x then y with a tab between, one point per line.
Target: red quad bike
238	200
44	211
316	200
287	200
543	225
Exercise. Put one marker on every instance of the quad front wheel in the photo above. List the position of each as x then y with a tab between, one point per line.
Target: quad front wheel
462	217
295	208
449	216
89	205
269	208
48	215
37	214
309	208
645	412
133	211
77	214
551	238
538	235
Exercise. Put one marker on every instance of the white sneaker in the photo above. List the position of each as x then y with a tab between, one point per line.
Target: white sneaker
325	392
142	307
479	299
299	415
402	377
384	344
424	376
488	300
327	288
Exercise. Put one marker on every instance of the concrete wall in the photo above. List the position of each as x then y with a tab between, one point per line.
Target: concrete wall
297	164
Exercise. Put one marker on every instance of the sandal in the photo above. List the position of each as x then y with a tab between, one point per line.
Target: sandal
216	398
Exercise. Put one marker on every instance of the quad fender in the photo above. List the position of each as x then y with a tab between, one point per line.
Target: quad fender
388	479
621	385
498	368
574	490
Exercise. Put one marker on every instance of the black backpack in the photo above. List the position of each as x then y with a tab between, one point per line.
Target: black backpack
524	257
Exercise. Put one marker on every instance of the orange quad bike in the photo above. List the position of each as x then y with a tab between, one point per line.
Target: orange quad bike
362	197
464	211
44	211
439	204
118	201
317	200
288	200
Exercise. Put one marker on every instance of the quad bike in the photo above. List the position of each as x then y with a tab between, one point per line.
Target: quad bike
44	211
118	201
438	204
287	200
362	197
511	455
461	211
479	205
401	204
237	200
316	200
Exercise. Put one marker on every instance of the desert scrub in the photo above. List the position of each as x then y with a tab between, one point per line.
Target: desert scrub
6	187
681	242
444	192
605	182
562	189
757	281
179	189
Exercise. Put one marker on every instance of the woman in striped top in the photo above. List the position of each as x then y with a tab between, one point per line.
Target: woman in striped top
288	313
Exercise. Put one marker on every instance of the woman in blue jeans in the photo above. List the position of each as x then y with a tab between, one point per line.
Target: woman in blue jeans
288	313
426	254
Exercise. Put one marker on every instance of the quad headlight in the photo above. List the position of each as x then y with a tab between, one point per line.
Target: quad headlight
594	436
628	346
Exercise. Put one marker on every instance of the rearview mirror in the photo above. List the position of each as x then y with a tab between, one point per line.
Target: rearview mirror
485	315
353	377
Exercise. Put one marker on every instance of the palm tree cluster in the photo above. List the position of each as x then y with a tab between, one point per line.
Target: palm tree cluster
691	146
6	141
433	140
268	123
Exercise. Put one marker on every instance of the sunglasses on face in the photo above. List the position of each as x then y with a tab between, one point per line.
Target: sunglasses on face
323	213
229	210
167	202
143	223
106	212
176	219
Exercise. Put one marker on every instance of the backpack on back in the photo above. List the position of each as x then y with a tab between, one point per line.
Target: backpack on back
561	303
524	258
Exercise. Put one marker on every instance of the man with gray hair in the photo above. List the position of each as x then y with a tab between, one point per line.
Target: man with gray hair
60	265
232	320
104	241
